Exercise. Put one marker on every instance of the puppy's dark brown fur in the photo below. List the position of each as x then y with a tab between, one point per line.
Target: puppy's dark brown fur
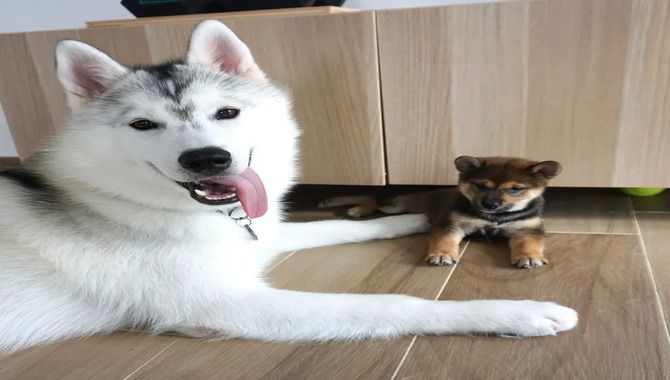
496	196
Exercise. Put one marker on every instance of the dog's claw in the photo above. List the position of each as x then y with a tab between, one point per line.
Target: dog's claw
441	260
530	263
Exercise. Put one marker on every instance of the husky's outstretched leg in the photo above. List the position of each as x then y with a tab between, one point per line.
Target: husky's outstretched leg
273	314
294	236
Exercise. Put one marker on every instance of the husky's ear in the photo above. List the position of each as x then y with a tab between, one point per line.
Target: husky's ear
85	72
467	163
215	46
547	169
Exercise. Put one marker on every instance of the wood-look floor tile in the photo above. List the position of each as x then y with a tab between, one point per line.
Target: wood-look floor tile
390	266
655	203
383	266
654	230
99	357
588	211
604	277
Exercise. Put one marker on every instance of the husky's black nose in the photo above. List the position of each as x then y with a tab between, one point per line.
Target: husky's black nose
210	160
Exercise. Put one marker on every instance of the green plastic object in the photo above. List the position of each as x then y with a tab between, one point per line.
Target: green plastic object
642	191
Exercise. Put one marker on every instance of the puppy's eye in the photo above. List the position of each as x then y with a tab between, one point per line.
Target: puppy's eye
480	187
143	124
515	190
227	113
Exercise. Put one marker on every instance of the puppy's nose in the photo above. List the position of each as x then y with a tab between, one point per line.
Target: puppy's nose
210	160
491	204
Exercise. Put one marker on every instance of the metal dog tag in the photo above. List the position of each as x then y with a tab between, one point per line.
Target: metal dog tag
243	220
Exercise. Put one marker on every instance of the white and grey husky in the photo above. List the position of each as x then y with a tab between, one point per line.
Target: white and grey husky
136	216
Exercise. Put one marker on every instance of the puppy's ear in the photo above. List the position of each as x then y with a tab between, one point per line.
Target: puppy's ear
547	169
215	46
85	72
467	163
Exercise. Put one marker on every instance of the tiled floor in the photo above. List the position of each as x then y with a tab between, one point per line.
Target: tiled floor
608	260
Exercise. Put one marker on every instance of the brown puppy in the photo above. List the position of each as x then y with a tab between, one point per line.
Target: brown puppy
496	196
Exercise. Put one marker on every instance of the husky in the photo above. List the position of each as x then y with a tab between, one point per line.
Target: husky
159	205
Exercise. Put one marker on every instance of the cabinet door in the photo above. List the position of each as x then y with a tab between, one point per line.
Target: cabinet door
586	83
328	62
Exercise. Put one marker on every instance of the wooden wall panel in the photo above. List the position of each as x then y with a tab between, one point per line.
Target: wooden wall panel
577	53
35	58
23	99
643	149
586	83
329	63
42	47
168	42
453	83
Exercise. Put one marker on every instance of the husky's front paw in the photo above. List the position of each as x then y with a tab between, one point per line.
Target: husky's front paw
531	318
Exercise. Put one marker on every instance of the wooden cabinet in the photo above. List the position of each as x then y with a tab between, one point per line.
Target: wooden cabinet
328	62
586	83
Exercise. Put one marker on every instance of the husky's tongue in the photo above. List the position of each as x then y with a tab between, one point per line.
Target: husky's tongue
250	191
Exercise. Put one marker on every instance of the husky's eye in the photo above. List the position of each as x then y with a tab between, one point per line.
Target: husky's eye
515	190
227	113
143	124
480	187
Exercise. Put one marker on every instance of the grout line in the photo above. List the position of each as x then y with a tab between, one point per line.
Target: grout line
402	361
382	121
467	243
280	261
591	233
444	285
152	358
651	275
652	212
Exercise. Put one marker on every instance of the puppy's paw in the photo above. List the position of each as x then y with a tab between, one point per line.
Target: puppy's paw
529	262
326	203
359	211
442	258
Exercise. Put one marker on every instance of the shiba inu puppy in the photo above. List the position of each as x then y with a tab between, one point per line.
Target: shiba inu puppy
496	196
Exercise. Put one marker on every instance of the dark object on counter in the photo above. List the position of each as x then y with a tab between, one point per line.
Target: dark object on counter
152	8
